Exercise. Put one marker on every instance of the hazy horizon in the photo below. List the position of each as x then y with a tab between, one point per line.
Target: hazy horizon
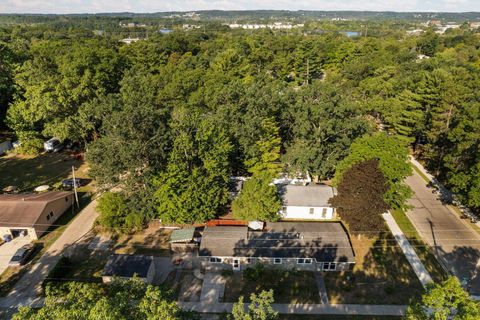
144	6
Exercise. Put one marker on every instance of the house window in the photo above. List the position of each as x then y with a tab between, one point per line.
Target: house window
329	266
215	260
304	261
48	216
277	261
284	209
51	214
324	213
312	210
249	260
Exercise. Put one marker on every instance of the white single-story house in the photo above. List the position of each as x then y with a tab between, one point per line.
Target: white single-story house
126	266
311	246
32	214
307	202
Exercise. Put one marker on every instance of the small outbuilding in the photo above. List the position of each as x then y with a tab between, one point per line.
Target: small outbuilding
31	214
126	266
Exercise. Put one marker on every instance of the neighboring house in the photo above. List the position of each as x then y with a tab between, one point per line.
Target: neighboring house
321	246
307	202
31	214
126	266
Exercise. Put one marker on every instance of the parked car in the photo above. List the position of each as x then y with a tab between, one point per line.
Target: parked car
53	145
68	183
21	256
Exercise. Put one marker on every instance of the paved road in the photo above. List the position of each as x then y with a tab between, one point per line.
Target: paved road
339	309
28	287
453	241
412	257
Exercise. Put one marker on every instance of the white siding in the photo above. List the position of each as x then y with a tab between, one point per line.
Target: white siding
294	212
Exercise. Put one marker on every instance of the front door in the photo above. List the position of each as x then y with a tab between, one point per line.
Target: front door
236	264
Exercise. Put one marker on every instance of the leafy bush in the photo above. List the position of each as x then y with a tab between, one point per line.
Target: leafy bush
115	214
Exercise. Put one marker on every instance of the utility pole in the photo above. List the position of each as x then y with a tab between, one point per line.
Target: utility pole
75	186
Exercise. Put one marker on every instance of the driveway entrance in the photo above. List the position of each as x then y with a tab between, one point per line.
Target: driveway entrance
8	249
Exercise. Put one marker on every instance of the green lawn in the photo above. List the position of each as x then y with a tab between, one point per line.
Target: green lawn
421	248
29	172
288	286
381	275
83	265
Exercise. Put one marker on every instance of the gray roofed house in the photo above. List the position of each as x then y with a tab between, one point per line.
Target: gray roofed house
307	202
32	214
304	245
127	266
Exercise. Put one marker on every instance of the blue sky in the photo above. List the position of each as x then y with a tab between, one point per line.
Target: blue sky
93	6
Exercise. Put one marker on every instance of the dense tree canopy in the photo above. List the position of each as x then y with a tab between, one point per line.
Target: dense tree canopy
392	156
272	100
442	301
123	300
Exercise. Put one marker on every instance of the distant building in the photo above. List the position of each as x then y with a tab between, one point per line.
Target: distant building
31	215
130	40
307	202
125	266
314	246
415	32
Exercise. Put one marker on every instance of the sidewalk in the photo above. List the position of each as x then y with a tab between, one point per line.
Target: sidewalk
335	309
408	250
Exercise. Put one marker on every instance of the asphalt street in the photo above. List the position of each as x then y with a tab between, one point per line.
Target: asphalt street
454	242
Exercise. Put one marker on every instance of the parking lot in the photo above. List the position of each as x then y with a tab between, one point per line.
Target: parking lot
8	249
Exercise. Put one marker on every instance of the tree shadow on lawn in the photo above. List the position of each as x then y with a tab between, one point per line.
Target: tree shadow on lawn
289	286
382	275
26	173
149	241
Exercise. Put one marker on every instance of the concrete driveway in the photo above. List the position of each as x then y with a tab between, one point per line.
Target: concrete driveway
453	241
7	250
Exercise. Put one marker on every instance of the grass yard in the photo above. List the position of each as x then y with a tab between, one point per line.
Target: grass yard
288	286
150	241
29	172
83	265
421	248
382	275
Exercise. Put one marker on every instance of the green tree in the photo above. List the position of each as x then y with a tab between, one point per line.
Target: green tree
258	200
442	301
123	300
193	188
260	307
392	155
116	215
325	124
267	158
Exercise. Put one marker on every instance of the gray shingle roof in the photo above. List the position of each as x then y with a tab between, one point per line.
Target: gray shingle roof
324	241
307	196
125	265
23	210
